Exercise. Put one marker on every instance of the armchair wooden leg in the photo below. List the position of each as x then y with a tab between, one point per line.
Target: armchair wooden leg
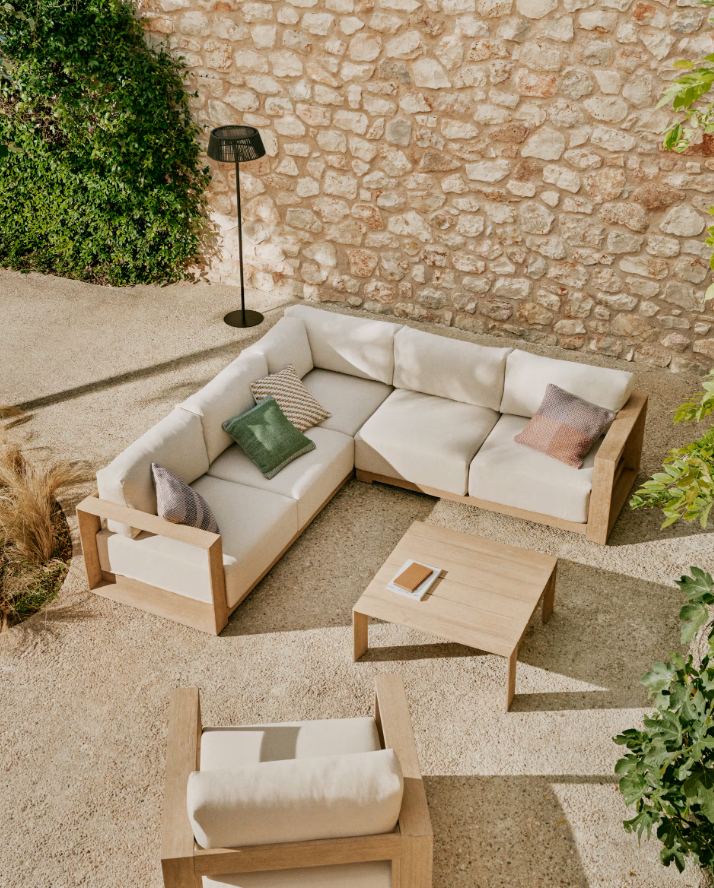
416	865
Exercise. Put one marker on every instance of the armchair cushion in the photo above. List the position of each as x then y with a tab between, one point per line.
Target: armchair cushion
175	443
300	800
356	346
449	368
285	343
235	747
527	377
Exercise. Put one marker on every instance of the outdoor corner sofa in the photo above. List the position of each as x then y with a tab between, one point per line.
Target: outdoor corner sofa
337	803
409	408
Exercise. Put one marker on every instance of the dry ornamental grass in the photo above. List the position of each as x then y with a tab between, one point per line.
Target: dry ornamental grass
34	539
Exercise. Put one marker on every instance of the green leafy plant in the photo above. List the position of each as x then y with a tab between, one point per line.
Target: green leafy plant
668	773
101	177
685	487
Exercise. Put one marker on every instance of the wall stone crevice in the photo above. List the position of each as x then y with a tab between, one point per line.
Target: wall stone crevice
492	165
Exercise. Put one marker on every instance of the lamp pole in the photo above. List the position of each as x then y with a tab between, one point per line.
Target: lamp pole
238	144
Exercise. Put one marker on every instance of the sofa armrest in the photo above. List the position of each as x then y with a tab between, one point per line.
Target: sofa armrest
616	465
182	757
92	509
194	536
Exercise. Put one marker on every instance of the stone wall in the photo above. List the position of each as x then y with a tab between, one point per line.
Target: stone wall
493	165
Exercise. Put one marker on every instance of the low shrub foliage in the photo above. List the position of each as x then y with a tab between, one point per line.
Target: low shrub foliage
102	180
668	773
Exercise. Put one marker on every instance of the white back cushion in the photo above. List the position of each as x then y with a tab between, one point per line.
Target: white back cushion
449	368
355	346
176	443
285	343
225	396
297	800
527	377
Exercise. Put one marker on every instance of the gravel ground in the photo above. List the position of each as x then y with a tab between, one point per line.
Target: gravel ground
523	799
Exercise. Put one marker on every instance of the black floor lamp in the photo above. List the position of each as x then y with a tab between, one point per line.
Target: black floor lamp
238	144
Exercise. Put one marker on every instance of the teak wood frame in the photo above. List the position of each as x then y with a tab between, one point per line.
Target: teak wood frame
409	846
200	615
616	465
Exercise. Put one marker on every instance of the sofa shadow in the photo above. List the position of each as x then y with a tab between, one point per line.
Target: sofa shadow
637	526
496	831
607	630
318	580
398	653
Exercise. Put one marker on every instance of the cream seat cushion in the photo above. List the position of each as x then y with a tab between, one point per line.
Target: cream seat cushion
349	399
376	874
321	797
256	526
527	377
309	479
236	747
423	439
512	474
449	368
356	346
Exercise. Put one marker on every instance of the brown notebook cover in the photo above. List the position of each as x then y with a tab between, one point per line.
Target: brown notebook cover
412	577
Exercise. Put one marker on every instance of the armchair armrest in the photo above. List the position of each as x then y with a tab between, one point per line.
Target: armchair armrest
182	757
616	465
92	509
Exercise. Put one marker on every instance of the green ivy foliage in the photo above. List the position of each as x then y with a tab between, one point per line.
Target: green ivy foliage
668	773
103	180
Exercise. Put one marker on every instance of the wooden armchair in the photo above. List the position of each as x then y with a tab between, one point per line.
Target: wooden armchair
409	847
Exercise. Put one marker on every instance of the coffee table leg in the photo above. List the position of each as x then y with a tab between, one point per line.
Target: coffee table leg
360	625
511	689
549	596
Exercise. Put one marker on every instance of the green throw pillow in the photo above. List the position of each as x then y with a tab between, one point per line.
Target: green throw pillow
268	437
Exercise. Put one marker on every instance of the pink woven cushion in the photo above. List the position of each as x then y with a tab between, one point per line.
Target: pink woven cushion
565	426
292	397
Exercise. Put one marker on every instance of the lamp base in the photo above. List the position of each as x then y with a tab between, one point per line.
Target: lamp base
235	318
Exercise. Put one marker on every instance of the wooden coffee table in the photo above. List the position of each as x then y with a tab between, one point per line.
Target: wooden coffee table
484	598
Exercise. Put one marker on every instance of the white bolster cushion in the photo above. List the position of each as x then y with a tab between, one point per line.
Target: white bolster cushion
527	378
285	343
296	800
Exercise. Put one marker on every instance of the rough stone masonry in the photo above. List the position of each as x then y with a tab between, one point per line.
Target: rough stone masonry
494	165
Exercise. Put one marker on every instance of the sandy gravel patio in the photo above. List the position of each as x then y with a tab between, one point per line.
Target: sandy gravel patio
524	799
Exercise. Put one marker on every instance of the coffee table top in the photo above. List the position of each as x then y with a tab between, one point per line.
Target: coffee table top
484	598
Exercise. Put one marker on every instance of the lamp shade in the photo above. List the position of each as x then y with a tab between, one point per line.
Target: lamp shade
235	144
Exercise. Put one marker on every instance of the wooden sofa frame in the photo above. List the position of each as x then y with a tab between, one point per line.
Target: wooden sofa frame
409	846
616	465
202	615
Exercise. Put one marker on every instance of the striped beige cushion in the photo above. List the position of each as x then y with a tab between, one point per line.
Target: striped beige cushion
293	398
565	426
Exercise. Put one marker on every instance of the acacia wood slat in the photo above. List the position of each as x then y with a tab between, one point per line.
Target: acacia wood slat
285	855
182	754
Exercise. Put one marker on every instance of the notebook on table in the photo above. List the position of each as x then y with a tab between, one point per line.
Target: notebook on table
414	579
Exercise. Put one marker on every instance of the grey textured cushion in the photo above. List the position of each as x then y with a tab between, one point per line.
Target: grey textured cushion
178	503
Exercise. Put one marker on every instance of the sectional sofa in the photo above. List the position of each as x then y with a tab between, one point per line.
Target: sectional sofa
409	408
